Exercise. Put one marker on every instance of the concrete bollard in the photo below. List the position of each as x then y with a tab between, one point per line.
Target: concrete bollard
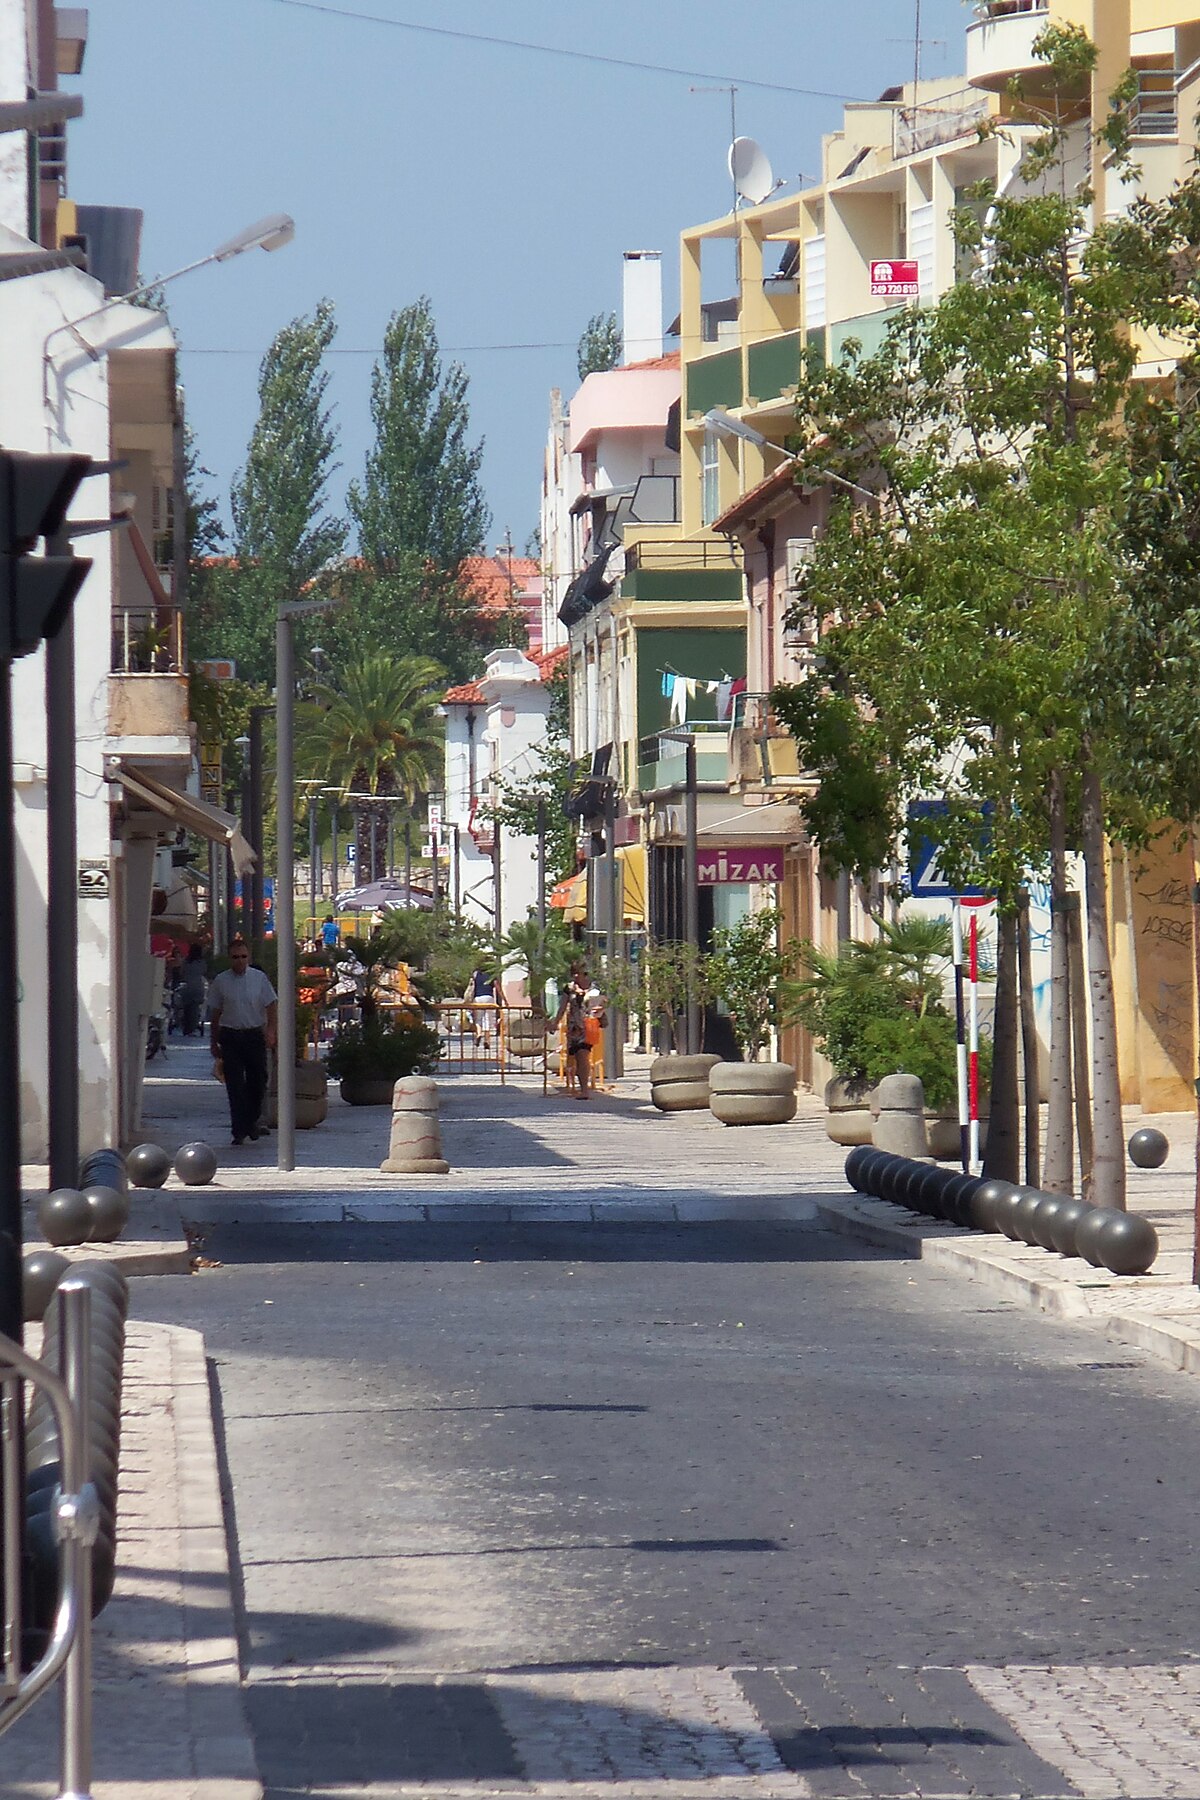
415	1146
898	1125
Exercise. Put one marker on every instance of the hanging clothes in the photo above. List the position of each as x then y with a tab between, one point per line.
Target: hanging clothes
679	699
724	698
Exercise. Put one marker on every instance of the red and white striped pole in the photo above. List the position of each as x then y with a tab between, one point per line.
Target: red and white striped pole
973	1043
960	1034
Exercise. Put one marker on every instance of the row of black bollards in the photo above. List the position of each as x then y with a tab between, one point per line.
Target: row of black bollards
1118	1241
43	1452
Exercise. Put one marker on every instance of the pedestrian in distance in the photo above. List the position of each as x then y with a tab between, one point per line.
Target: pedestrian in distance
243	1024
193	984
482	990
585	1020
331	933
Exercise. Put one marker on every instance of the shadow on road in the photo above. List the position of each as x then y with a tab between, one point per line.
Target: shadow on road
249	1245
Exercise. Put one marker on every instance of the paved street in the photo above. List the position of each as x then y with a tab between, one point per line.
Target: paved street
676	1510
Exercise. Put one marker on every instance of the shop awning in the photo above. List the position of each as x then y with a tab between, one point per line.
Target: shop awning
570	897
196	815
632	858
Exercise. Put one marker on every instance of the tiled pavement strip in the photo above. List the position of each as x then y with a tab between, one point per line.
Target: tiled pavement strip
169	1716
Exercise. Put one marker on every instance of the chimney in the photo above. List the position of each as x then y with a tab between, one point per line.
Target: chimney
641	305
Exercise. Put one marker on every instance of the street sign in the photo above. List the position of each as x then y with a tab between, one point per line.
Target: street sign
218	668
927	880
435	817
899	279
753	862
210	773
94	878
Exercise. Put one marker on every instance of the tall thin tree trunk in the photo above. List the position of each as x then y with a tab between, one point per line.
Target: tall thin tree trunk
1003	1156
1108	1180
1030	1060
1058	1170
1079	1043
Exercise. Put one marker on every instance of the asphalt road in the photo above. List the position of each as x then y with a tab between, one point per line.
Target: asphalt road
578	1453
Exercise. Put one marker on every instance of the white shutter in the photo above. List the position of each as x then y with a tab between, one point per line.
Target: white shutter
814	283
797	551
921	238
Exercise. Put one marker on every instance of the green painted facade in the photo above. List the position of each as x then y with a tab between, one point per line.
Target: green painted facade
773	366
704	653
682	585
714	381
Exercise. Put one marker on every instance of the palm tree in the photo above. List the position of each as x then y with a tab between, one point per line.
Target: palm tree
375	730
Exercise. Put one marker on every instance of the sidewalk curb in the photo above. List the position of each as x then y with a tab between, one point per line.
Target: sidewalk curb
159	1245
1171	1338
225	1764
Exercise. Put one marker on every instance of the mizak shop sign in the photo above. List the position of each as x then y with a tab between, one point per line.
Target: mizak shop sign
752	862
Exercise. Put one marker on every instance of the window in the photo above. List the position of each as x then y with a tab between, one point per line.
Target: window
710	467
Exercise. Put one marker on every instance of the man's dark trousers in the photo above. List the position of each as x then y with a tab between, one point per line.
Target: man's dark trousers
244	1055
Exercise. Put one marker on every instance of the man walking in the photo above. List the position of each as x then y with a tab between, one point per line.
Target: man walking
243	1016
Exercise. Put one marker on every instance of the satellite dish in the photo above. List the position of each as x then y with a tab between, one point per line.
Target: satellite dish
752	174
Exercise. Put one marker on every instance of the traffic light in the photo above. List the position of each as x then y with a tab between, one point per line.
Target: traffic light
36	592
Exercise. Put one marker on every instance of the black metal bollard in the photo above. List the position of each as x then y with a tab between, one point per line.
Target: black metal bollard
43	1451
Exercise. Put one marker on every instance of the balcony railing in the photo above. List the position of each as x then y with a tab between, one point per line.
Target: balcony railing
1001	9
662	760
762	751
705	553
148	640
1154	111
916	128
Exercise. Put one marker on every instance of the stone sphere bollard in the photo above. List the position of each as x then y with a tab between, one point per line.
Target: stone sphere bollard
899	1123
1148	1148
415	1145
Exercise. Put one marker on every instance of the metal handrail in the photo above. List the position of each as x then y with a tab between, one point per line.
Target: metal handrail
76	1514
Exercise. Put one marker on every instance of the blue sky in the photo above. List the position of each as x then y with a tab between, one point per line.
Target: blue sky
503	183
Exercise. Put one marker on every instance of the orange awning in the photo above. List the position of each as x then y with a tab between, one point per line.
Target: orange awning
570	896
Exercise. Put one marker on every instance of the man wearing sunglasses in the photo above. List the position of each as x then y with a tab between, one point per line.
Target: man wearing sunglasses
243	1015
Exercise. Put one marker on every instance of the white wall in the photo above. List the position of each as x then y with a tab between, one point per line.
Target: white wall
474	867
28	310
14	81
517	707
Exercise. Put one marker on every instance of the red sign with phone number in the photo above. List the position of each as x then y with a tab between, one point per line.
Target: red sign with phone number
895	280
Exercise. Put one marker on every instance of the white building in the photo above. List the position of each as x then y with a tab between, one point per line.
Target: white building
495	732
81	373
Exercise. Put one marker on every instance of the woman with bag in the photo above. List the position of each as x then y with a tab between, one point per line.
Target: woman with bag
585	1021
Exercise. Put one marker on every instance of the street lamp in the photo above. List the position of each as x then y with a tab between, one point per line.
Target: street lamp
725	425
285	873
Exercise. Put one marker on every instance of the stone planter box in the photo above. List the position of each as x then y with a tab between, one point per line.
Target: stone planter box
312	1096
752	1093
945	1143
527	1036
847	1112
367	1090
680	1083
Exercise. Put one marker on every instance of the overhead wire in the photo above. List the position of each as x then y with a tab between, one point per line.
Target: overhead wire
588	56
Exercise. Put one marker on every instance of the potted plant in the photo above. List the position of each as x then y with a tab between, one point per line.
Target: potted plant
876	1009
671	975
368	1058
751	971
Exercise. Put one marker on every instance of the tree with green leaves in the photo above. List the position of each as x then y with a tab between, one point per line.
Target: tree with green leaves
967	613
546	786
599	346
419	510
375	731
284	534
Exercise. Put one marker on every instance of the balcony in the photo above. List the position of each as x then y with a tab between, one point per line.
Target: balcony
917	128
1000	42
681	570
148	687
868	330
762	751
662	761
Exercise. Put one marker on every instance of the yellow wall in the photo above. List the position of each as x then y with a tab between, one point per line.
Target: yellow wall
1152	968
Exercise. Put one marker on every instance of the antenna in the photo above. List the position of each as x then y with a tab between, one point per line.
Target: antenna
753	177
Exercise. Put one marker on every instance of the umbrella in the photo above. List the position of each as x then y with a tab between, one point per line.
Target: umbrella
388	895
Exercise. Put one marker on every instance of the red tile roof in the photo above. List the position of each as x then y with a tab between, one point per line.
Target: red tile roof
552	661
469	694
669	361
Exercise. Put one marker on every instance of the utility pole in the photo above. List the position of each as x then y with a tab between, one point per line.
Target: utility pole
257	913
62	903
691	898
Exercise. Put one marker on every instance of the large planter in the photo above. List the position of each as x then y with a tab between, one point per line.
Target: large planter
752	1093
527	1035
680	1083
945	1136
312	1095
367	1090
847	1111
